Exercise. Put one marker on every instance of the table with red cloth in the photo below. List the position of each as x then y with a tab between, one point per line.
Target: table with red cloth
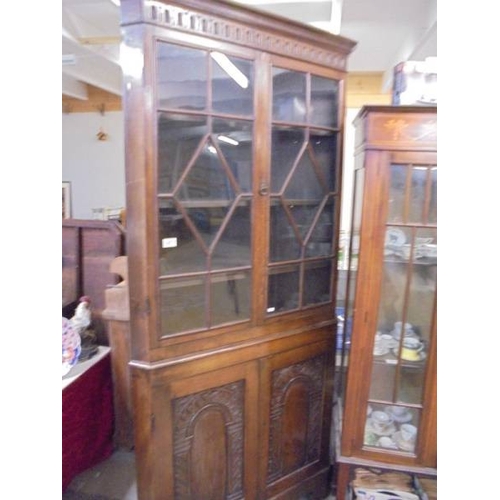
87	415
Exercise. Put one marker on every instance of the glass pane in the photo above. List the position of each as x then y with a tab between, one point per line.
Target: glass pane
178	138
324	145
324	101
305	184
391	427
283	289
411	382
234	245
180	252
432	218
397	192
235	140
417	194
303	215
317	282
283	241
383	374
207	178
289	95
320	241
207	221
182	77
230	297
285	148
182	304
232	84
422	286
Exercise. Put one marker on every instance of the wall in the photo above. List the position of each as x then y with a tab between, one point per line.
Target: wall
96	169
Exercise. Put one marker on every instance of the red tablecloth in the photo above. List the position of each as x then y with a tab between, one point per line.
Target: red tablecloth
87	420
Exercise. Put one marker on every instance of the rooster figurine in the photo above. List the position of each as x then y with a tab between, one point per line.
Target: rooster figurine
81	322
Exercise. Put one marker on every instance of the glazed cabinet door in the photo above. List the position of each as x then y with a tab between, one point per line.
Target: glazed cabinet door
391	409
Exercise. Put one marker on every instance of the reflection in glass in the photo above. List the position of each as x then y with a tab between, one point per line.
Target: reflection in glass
324	101
289	95
324	145
432	217
320	241
417	194
235	139
304	184
207	179
178	138
182	304
283	289
233	247
178	88
232	84
397	191
317	282
230	297
283	242
179	251
411	383
286	146
207	221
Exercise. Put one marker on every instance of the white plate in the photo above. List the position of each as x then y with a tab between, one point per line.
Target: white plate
395	237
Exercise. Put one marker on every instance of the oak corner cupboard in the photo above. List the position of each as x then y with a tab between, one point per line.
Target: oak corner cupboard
387	402
234	123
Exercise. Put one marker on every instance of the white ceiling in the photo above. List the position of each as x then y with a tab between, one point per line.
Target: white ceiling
386	31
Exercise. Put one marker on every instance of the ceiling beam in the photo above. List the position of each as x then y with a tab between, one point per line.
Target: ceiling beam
92	68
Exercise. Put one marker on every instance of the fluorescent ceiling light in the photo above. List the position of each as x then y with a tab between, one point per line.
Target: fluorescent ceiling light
228	140
223	61
116	2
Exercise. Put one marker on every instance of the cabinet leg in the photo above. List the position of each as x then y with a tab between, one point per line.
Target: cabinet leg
342	480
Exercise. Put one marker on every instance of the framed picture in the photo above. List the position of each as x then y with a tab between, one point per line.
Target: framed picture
66	200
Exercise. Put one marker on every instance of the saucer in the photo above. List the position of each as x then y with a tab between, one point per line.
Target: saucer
399	418
387	442
391	429
381	350
401	443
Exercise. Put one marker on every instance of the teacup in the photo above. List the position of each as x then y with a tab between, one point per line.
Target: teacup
411	349
398	329
381	421
408	432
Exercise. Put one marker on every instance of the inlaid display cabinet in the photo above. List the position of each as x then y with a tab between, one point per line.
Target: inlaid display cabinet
234	125
387	408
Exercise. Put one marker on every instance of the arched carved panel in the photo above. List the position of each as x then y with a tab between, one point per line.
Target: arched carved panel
295	417
208	443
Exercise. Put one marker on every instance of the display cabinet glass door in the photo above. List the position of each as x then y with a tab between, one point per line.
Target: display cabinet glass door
204	157
406	320
303	190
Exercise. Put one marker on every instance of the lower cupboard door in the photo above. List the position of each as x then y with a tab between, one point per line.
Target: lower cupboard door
209	422
296	415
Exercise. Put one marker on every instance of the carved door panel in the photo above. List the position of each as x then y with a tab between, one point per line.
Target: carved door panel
208	425
295	395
